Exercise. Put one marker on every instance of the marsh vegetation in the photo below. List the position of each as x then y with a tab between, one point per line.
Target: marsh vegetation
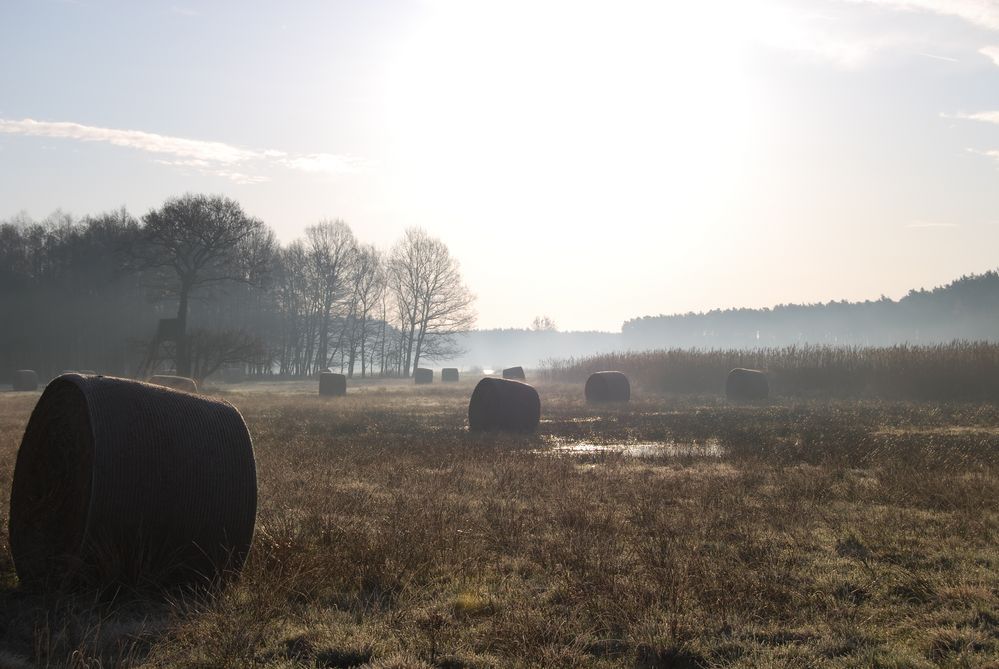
795	533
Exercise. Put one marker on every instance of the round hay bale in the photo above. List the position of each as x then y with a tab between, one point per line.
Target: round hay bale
449	375
516	373
119	482
423	376
747	384
175	382
607	387
333	385
25	380
504	404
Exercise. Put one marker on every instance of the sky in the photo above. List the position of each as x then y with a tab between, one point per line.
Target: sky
588	161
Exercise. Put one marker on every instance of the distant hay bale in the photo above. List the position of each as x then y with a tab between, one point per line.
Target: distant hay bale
175	382
423	376
747	384
333	385
516	373
449	375
503	404
25	380
119	482
607	387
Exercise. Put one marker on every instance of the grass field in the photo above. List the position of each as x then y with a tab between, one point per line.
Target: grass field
671	532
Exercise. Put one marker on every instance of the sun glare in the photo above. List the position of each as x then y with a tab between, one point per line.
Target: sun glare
581	113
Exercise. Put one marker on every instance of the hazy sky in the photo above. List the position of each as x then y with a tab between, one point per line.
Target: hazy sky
593	161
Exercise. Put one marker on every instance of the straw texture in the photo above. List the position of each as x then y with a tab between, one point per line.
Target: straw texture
125	483
503	404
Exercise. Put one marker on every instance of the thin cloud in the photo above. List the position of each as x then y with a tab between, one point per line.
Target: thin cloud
321	163
207	157
991	153
982	13
936	57
843	38
991	52
185	11
985	116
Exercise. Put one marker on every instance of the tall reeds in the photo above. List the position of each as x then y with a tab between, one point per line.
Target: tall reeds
955	371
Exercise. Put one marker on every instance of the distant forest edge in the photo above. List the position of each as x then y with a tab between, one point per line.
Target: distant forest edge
964	310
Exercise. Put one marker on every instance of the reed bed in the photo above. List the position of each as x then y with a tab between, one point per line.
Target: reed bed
956	371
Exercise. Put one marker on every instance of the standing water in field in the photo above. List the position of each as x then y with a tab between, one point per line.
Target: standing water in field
710	448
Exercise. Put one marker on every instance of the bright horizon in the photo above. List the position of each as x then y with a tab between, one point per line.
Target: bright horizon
592	162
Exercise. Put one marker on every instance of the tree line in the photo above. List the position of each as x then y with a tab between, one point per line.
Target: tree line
199	287
965	309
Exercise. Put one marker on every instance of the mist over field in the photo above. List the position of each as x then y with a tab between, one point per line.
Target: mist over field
966	309
467	334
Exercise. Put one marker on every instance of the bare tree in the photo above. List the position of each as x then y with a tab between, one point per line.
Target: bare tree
197	241
369	284
331	248
543	324
210	351
432	300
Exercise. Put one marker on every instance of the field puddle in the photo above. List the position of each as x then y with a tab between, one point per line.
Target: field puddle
710	448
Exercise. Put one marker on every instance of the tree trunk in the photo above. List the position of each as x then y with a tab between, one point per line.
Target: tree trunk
183	354
419	347
409	350
324	332
364	335
384	326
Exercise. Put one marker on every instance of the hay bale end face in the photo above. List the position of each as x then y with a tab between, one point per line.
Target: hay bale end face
503	404
747	384
119	482
332	385
516	373
449	375
607	387
25	380
175	382
422	376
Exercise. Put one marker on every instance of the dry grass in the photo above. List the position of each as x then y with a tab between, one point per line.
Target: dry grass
958	371
834	534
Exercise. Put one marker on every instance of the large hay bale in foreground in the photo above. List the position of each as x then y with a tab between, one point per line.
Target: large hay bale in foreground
449	375
25	380
119	482
333	385
747	384
607	387
423	376
504	404
175	382
516	373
